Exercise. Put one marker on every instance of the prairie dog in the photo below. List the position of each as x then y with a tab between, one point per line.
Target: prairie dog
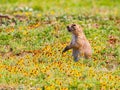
79	43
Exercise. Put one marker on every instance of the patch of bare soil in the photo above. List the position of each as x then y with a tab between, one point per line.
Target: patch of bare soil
22	53
12	19
6	87
112	40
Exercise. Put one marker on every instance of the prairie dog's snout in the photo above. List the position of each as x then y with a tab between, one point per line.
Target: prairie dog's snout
69	28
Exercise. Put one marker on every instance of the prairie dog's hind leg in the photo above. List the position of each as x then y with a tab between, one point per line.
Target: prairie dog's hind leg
75	55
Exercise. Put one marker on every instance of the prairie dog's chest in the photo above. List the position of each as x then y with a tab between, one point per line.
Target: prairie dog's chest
74	38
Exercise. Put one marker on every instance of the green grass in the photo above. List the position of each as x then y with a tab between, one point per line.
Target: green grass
30	49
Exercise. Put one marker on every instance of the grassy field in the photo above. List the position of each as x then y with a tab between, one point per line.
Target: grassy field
33	34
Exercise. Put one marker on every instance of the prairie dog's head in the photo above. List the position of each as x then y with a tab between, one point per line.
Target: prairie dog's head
74	28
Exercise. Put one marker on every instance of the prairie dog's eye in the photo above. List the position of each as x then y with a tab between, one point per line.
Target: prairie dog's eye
74	25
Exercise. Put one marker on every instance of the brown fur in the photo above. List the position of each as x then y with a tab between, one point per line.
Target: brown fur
79	43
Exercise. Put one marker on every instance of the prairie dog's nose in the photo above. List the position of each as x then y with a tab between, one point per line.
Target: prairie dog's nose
67	26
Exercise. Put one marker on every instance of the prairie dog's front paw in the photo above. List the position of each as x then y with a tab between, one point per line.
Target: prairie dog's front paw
65	49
